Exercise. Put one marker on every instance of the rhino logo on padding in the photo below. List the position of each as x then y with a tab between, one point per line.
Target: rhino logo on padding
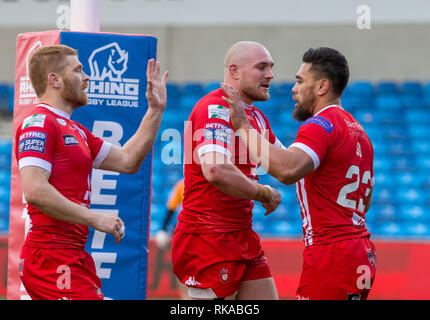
108	61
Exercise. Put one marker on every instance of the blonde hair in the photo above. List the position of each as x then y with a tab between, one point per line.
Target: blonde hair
46	60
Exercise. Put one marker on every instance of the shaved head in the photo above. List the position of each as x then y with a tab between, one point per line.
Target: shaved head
248	68
241	52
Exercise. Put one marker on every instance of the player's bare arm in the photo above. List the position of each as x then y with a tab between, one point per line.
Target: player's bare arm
226	177
368	201
287	165
41	194
129	158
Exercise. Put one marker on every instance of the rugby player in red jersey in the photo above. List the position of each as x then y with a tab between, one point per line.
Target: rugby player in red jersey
55	157
331	162
215	252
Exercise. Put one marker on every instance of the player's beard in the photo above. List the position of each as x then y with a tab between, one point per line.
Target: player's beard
301	112
254	93
76	97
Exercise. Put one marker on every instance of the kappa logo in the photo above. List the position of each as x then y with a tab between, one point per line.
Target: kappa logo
107	84
191	282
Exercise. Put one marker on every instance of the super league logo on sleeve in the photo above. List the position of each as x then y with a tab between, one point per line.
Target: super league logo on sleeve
107	86
32	141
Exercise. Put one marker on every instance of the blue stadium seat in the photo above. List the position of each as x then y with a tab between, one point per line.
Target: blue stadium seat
397	146
173	90
426	88
365	117
411	101
402	162
362	88
286	103
383	178
388	102
282	228
374	131
417	230
11	98
390	230
413	117
414	179
4	224
410	195
419	131
395	132
4	97
187	102
422	162
387	87
4	177
411	87
4	208
4	193
284	88
269	106
192	88
211	86
383	162
411	212
261	228
383	195
258	212
420	146
351	103
382	212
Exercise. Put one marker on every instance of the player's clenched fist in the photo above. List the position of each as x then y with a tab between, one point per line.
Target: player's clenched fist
273	204
110	223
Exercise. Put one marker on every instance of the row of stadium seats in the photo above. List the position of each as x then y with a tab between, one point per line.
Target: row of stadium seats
401	199
384	95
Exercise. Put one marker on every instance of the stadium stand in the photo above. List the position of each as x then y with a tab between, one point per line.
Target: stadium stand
396	117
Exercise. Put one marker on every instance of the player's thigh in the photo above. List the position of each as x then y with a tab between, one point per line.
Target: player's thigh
258	289
338	271
51	274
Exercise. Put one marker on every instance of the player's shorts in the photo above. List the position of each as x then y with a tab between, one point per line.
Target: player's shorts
218	262
342	270
59	274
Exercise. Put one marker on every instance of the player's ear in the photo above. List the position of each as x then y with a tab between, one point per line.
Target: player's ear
234	71
323	86
54	80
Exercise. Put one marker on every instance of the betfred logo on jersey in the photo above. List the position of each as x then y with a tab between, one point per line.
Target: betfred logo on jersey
26	92
32	141
107	84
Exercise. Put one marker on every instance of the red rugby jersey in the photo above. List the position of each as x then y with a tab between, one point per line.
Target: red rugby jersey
332	197
50	140
206	209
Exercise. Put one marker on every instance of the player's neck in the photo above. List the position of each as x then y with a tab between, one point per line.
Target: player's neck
57	102
324	103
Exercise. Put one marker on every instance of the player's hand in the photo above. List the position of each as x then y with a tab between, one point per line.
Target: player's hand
272	205
110	223
162	238
237	112
156	92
